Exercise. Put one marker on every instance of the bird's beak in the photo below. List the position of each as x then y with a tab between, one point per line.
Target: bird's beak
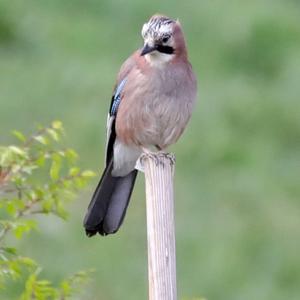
147	49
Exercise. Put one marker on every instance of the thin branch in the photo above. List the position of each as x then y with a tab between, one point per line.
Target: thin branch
31	139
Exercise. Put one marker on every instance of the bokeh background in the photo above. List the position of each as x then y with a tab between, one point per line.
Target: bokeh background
238	164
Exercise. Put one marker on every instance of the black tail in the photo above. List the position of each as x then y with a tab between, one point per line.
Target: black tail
108	206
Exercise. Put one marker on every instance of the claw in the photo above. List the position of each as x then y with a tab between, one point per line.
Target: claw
157	156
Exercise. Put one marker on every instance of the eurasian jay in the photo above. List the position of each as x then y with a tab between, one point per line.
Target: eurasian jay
150	107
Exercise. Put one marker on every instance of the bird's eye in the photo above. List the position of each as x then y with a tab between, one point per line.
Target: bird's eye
165	39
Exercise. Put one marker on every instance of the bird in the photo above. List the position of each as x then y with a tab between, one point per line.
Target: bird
152	102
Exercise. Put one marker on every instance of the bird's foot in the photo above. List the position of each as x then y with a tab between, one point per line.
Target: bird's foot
157	156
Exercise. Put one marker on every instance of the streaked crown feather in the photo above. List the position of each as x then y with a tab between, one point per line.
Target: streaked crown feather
158	26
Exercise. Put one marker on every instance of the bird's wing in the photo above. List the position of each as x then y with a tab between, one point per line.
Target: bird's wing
110	126
115	102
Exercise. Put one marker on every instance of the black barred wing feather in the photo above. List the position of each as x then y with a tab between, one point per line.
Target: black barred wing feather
111	120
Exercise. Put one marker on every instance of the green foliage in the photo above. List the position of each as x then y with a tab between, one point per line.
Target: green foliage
36	177
43	289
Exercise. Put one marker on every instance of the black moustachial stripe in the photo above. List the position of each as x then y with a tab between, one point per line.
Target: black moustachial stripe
165	49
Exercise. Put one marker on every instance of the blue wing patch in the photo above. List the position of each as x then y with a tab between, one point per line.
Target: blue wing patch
117	98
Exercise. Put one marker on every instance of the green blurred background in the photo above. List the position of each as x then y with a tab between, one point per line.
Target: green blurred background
238	165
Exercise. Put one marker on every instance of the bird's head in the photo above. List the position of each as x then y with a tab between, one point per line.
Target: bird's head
163	40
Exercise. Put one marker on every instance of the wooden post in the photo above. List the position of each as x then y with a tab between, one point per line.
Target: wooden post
159	171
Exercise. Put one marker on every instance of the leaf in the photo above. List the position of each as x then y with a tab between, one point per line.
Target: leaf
61	212
27	261
47	205
61	153
66	288
19	181
57	125
71	155
79	182
41	139
19	135
54	135
38	289
55	166
67	183
19	230
19	203
14	267
18	151
11	208
40	193
74	171
40	161
5	156
23	227
74	284
10	250
88	173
